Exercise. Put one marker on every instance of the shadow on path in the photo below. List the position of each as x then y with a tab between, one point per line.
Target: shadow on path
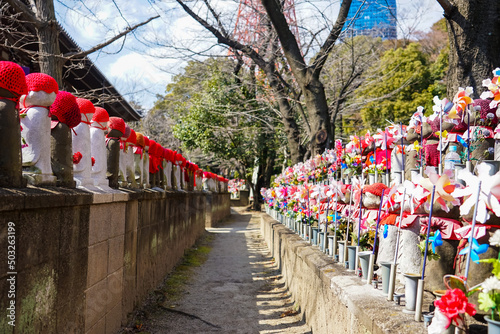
237	290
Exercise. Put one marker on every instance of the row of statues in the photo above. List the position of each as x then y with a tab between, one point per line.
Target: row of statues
56	139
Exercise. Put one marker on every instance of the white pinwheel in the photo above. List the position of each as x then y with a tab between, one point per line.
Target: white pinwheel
487	199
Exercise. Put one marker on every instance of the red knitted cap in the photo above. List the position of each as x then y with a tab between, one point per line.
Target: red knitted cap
152	147
375	189
116	123
132	138
66	109
12	78
159	150
146	141
100	115
126	133
139	139
41	82
169	154
86	107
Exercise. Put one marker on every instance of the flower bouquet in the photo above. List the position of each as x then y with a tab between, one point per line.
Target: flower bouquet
489	297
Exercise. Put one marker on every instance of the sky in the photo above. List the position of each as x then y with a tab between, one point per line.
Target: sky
140	66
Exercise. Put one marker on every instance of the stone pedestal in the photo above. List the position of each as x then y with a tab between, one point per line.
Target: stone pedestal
113	161
10	157
145	158
62	155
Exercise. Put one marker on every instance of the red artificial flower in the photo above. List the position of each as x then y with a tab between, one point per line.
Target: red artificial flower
93	161
77	157
454	303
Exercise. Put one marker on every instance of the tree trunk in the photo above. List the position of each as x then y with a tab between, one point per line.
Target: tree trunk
319	120
291	127
474	34
48	39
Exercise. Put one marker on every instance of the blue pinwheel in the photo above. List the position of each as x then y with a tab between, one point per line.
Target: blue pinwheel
386	230
462	141
343	165
372	159
476	250
335	217
436	240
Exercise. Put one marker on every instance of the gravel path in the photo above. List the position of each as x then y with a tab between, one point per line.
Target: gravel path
237	290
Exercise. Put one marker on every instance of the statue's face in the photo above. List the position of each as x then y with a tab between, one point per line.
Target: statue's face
100	125
87	118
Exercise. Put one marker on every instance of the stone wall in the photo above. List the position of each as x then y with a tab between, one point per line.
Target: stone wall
85	261
331	300
244	199
218	207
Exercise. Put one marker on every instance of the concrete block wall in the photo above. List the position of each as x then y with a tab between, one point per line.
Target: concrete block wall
85	261
331	299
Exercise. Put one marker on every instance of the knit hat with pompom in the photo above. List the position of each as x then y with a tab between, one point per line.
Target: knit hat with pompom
152	147
66	109
12	78
86	107
126	133
38	82
375	189
132	138
116	123
139	139
100	115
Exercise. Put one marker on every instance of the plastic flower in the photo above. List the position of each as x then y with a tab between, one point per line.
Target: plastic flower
439	323
453	304
77	157
490	284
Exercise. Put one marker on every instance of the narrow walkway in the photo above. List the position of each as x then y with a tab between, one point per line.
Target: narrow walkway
237	290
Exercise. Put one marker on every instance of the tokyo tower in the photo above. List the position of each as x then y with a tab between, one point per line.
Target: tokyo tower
252	22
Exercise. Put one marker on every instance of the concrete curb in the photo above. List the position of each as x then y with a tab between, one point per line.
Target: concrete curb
331	299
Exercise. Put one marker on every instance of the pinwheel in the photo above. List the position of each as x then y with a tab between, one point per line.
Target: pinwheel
380	139
418	194
476	250
417	118
493	89
367	141
489	194
436	240
444	188
462	99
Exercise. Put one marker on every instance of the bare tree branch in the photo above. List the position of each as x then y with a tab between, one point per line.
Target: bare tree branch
331	39
20	7
72	55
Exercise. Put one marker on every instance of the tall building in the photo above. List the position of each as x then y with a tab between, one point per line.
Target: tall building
375	18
